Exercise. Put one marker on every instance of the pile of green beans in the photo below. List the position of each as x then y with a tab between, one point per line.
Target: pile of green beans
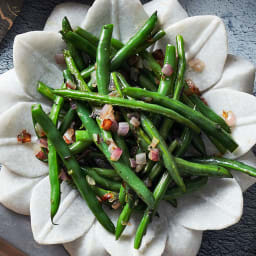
168	121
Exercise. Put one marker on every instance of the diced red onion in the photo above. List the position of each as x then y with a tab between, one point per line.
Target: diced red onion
196	64
70	85
111	146
43	143
59	58
106	124
167	70
192	88
132	162
123	128
135	122
107	112
141	158
24	137
230	118
69	136
41	155
154	143
116	205
154	154
116	154
107	196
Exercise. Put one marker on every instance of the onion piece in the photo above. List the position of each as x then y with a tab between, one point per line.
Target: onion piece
141	158
69	136
154	143
132	162
70	85
106	124
116	154
135	122
24	137
107	112
229	117
59	59
167	70
196	64
192	88
43	143
41	155
154	154
123	128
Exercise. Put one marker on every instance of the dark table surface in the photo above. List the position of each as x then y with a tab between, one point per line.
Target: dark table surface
240	20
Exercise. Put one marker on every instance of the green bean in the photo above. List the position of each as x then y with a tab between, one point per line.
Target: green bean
82	135
181	68
198	143
158	193
218	145
208	126
103	59
128	49
196	169
79	146
101	193
53	160
152	63
45	91
208	112
167	83
157	168
228	163
87	72
95	40
107	173
66	27
68	119
121	168
168	160
81	43
72	165
186	138
75	72
116	79
123	220
102	181
146	83
191	185
157	36
94	97
122	196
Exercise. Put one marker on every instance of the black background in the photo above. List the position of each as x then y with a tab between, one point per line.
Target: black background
240	19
